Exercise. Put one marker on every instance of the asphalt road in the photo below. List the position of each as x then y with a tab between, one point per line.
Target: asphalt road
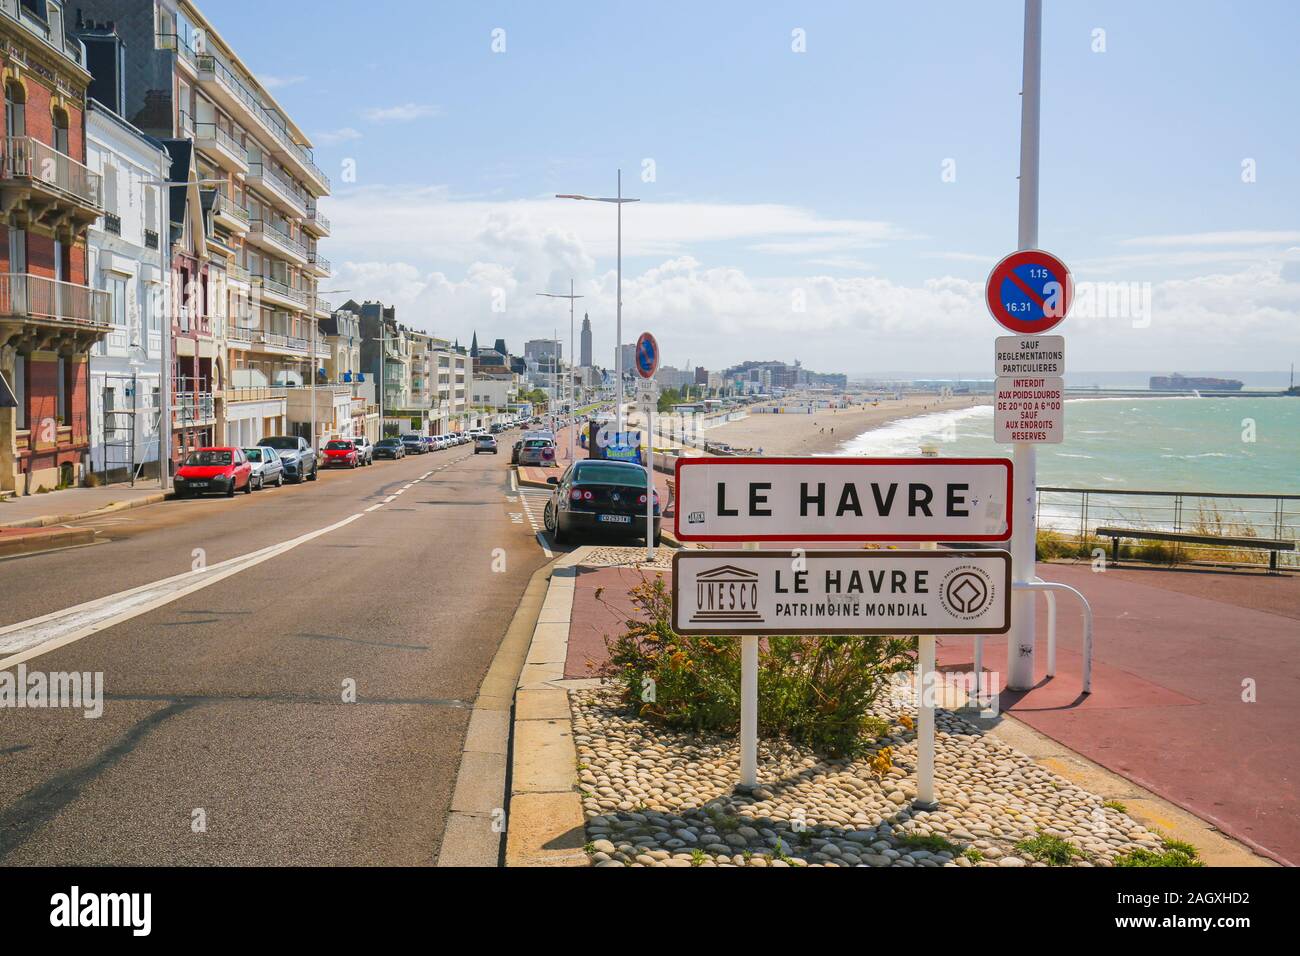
225	706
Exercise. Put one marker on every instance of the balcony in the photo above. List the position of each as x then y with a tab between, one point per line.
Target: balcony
44	187
191	409
314	222
263	234
230	214
227	151
318	263
51	311
280	189
278	293
184	52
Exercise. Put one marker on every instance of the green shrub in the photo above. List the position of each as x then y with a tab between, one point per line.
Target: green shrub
1050	849
931	842
817	691
1173	853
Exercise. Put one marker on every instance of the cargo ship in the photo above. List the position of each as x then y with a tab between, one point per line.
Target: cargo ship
1183	383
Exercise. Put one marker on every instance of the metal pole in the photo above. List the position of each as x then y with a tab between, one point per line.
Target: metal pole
165	338
1020	643
312	349
618	316
649	473
926	690
571	425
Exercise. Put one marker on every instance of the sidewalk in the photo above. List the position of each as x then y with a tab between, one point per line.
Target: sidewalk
60	507
1172	650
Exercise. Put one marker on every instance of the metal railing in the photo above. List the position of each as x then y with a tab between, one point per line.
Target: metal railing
314	215
271	179
223	205
1078	512
36	297
150	239
192	407
289	243
112	224
234	84
255	393
211	131
280	288
27	158
316	259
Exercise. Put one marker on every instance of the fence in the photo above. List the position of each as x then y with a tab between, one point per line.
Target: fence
1078	512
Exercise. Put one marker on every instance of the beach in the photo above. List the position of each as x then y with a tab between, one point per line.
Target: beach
824	431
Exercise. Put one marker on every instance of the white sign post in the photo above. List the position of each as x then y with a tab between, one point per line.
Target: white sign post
649	397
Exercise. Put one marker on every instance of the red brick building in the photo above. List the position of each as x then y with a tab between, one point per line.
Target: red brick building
49	318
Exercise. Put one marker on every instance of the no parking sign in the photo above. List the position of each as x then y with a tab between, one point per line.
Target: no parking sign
1029	291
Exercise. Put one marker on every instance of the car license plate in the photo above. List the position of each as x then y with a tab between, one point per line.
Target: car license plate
198	484
617	519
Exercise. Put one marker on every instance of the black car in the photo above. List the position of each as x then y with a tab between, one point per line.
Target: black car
390	448
600	497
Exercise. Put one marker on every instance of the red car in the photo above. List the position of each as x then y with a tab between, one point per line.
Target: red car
214	469
341	452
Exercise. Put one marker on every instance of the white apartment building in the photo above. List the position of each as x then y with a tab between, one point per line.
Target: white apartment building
124	259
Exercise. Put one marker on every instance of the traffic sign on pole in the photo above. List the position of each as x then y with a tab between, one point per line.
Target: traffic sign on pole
841	592
1029	409
1016	355
843	499
1029	292
647	355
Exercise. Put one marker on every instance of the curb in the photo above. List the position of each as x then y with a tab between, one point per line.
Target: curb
547	824
40	540
44	521
476	819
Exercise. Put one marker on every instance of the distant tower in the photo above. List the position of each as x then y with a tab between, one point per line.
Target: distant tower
586	341
473	346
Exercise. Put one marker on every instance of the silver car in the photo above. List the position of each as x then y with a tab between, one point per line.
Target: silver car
267	468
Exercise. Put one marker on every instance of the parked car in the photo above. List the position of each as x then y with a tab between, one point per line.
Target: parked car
266	466
600	497
296	456
390	448
414	444
365	450
341	453
485	443
220	469
537	451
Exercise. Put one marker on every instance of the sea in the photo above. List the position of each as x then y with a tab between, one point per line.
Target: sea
1197	446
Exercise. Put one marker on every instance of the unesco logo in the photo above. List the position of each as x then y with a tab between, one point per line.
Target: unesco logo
966	592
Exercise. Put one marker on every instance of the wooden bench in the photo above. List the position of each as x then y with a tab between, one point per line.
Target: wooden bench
1184	537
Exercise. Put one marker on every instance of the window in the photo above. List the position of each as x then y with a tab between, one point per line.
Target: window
117	289
62	406
18	250
15	110
61	131
153	307
20	388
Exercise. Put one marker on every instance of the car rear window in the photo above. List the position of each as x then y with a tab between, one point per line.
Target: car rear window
289	443
338	445
253	454
610	475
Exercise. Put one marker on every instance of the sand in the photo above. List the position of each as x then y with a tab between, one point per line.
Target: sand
798	435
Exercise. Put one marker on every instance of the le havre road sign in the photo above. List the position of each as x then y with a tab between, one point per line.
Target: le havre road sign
843	499
1029	292
841	592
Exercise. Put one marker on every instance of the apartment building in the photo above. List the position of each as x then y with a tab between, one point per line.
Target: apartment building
125	260
254	317
455	383
49	318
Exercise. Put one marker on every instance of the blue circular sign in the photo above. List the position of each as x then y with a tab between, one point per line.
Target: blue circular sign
647	355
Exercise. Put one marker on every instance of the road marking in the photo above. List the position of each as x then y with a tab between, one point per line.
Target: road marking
29	639
373	507
545	550
390	498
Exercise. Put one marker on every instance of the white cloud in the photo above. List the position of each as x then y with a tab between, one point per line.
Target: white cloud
274	82
335	136
1240	237
445	262
402	113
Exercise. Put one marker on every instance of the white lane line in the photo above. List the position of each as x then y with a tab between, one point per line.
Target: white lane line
373	507
390	498
514	480
545	550
40	635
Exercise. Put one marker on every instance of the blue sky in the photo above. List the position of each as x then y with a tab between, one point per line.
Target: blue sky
798	206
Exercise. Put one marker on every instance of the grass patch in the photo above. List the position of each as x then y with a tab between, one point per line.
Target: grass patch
698	857
1116	806
972	854
1051	850
1173	853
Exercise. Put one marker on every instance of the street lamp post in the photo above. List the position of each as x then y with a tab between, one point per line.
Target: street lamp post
618	200
570	297
311	317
